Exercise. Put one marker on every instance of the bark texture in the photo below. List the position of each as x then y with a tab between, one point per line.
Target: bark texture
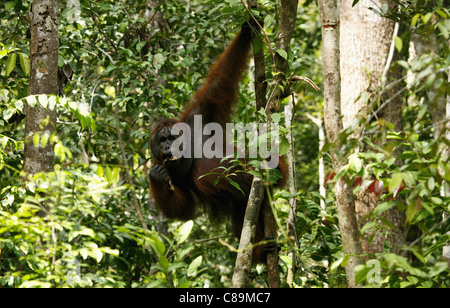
43	80
365	40
244	258
368	38
348	227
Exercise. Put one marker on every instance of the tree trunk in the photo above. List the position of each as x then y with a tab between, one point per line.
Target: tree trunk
368	38
365	40
288	17
290	223
41	119
288	9
333	124
244	258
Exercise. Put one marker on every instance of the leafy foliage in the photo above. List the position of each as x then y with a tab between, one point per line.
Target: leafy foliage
79	225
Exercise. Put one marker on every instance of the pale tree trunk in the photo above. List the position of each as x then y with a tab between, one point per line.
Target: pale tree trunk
244	257
318	122
348	227
43	80
366	43
290	223
243	263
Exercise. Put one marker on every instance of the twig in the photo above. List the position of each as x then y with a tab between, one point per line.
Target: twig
305	79
390	56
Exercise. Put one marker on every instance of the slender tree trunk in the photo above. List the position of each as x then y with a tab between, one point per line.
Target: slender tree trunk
290	223
329	14
41	119
318	121
288	18
244	258
288	13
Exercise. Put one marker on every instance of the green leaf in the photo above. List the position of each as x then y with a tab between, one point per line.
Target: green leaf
44	139
276	117
10	63
286	260
110	91
3	53
24	63
418	255
52	101
8	113
98	255
426	18
444	30
108	250
282	54
395	182
83	231
164	262
115	176
438	268
398	43
159	246
236	185
60	60
397	261
411	210
361	273
43	100
108	173
36	138
192	269
340	258
384	206
431	183
254	173
9	5
99	170
184	231
140	45
355	163
284	146
414	20
159	60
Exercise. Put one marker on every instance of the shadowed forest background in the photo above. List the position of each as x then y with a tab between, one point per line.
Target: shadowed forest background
75	204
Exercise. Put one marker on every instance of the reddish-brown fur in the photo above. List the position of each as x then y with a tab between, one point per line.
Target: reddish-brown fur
178	198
